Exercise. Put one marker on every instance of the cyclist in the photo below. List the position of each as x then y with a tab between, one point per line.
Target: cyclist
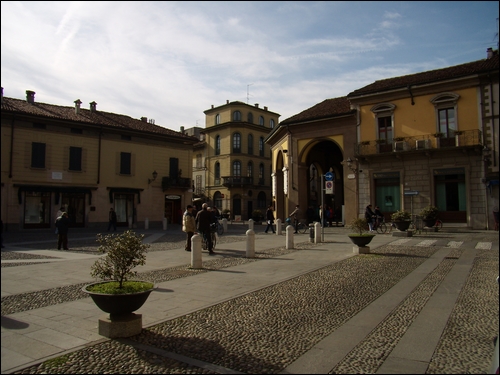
203	221
379	217
295	215
369	216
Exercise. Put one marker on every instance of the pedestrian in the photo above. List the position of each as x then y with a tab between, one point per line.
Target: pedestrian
62	223
188	226
296	214
270	219
369	216
112	219
203	221
329	215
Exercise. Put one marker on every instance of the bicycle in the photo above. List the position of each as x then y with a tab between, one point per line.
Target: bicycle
301	227
213	236
380	226
220	228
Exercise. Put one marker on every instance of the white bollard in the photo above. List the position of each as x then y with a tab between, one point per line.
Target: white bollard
164	223
224	224
130	222
289	236
317	232
279	230
250	224
146	223
196	251
250	243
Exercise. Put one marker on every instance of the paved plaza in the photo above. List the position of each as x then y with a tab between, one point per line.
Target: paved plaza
421	304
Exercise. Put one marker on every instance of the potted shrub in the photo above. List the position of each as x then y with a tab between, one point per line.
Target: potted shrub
360	238
115	293
401	220
225	213
257	216
429	215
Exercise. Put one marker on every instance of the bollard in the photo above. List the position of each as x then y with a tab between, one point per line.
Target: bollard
164	223
196	251
311	233
279	230
317	232
289	236
224	224
250	224
250	243
146	223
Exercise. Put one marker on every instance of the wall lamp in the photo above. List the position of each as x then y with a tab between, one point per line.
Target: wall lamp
155	174
349	163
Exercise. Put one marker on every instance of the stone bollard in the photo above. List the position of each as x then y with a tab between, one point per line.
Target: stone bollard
289	236
311	232
250	243
164	223
130	222
196	251
279	230
317	232
250	224
146	223
224	224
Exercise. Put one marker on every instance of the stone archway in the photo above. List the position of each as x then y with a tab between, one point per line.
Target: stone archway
278	189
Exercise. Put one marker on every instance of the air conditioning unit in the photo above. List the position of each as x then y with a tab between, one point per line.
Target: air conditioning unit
421	144
400	146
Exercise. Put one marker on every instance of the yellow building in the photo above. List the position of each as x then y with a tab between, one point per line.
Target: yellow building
88	161
234	160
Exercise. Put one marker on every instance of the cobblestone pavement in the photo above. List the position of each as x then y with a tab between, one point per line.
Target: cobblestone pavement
266	330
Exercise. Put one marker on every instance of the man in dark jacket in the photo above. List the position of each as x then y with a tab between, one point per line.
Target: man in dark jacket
62	224
203	221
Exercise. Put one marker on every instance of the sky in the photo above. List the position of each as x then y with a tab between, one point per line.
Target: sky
170	61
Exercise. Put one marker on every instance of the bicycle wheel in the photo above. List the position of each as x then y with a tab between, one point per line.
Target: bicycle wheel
203	243
439	224
220	229
381	228
302	228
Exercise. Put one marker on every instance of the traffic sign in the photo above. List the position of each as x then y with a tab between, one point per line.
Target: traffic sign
328	176
411	192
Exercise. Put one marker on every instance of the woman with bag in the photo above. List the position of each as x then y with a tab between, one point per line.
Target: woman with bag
270	218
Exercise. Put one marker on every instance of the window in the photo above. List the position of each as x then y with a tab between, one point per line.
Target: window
38	155
271	124
125	163
447	124
249	169
445	105
236	116
387	192
261	200
385	129
250	144
237	169
217	173
198	161
218	200
261	146
217	145
261	120
75	158
250	117
217	119
384	113
236	142
261	174
198	188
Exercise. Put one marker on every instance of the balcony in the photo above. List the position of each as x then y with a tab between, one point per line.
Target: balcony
237	181
175	183
423	143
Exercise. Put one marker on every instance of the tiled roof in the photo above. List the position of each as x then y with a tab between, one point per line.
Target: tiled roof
85	116
325	109
452	72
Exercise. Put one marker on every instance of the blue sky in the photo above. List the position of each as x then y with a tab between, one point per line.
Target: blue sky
170	61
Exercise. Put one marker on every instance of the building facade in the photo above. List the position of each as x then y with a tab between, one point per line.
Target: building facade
88	161
233	160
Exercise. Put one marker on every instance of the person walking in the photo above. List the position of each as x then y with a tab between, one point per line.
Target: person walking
203	221
369	216
296	214
188	226
62	223
112	219
270	219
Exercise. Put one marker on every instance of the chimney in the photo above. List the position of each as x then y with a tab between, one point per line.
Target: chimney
489	53
77	106
144	119
227	101
212	106
30	96
265	108
93	106
182	129
256	105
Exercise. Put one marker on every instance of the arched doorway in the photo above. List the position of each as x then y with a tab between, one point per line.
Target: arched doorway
278	191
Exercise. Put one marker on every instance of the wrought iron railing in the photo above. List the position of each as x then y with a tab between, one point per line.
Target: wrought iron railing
236	180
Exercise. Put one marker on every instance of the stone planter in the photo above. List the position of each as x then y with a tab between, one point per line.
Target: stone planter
402	225
362	240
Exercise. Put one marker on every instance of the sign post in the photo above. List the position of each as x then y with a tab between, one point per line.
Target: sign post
411	193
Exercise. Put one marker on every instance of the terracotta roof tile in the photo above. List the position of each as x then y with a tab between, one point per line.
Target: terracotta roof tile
325	109
463	70
85	116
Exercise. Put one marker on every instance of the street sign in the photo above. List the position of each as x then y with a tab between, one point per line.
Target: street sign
411	192
328	187
329	176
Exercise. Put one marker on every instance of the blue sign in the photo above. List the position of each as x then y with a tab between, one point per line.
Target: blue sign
329	176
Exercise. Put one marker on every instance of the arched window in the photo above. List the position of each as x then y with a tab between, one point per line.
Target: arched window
250	144
250	169
218	200
236	116
236	143
217	119
271	124
237	169
261	120
261	146
384	119
217	173
445	105
250	117
261	174
217	145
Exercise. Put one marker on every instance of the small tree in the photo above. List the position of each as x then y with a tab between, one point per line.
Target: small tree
401	215
358	224
429	213
123	253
